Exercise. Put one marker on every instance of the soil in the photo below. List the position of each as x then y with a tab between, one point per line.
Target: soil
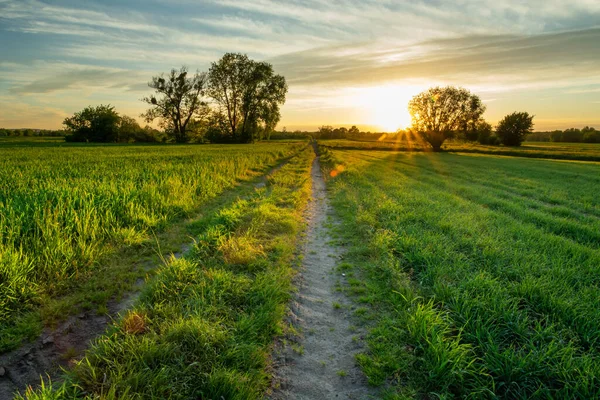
54	349
321	365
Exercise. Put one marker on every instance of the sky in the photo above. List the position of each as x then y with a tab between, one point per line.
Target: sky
354	62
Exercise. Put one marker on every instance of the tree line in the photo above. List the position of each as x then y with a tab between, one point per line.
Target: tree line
236	101
572	135
31	132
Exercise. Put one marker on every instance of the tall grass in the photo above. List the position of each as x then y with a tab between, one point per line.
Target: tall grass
484	272
63	208
205	323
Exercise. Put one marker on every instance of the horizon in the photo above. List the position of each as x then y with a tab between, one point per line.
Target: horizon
351	63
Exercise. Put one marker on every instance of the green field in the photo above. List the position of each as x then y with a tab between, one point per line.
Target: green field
475	275
205	323
64	209
478	274
560	151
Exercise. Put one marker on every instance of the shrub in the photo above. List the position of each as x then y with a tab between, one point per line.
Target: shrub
513	128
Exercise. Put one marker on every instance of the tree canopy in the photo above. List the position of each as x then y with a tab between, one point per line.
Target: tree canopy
513	128
440	113
103	124
247	94
176	100
93	124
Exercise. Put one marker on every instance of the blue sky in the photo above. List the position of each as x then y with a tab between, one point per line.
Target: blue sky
346	62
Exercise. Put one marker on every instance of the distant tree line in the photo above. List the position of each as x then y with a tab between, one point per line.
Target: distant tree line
31	132
329	132
434	124
571	135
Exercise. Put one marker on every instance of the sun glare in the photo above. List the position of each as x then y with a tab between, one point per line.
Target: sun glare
387	106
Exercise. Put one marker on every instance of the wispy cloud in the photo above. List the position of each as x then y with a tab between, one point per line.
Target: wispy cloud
26	9
76	78
508	60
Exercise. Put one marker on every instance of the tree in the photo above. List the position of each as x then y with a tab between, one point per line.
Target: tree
513	128
93	124
572	135
248	95
556	136
484	133
177	100
325	132
441	112
590	135
130	130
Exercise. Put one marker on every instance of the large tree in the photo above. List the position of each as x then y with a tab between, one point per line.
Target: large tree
248	94
441	112
176	100
512	129
93	124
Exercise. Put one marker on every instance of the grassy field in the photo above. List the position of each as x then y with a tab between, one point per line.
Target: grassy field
478	274
204	325
64	208
562	151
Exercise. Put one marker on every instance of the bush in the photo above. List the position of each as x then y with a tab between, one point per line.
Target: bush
93	124
484	132
513	128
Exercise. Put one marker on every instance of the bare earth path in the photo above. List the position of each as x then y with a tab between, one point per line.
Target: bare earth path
324	367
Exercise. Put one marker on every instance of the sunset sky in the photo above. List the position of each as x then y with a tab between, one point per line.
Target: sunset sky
346	62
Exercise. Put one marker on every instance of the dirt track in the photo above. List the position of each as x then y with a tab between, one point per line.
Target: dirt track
322	364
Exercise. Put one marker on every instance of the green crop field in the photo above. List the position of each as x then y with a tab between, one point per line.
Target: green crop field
64	208
205	323
478	274
561	151
471	275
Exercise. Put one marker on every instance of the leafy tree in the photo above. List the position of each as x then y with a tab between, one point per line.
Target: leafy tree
556	136
130	130
248	95
325	132
590	135
513	128
441	112
572	135
93	124
176	101
484	133
353	131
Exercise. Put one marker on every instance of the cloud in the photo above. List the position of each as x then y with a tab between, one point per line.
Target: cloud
31	12
82	77
583	90
504	59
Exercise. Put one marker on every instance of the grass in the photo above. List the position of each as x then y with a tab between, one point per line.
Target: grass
561	151
204	325
481	272
68	214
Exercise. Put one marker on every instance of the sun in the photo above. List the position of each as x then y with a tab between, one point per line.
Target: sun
386	106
